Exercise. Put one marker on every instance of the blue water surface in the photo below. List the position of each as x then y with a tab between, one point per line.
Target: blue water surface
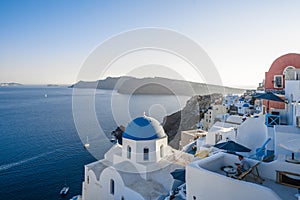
40	149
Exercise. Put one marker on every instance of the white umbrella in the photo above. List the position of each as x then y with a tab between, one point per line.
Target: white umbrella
292	145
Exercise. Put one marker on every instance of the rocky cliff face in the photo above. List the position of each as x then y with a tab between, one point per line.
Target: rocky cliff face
188	117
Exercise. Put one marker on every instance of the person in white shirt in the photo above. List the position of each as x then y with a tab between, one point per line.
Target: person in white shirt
243	166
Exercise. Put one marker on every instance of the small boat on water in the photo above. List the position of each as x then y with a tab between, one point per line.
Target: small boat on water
87	144
64	190
77	197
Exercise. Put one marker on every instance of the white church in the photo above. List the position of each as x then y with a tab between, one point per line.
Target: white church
139	169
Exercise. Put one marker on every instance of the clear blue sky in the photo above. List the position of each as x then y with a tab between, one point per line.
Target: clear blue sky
46	41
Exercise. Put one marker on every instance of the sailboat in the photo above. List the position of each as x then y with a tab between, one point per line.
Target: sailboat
87	144
65	189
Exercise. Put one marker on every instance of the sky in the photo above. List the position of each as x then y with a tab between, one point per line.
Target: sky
47	42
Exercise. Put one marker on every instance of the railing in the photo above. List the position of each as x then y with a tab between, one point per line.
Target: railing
283	177
281	91
272	120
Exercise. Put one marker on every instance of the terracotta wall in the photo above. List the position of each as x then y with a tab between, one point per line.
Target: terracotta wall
274	104
278	66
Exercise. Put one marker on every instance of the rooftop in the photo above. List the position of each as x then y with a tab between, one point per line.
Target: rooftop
144	128
211	168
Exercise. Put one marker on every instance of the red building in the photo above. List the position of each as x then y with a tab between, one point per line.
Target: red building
275	77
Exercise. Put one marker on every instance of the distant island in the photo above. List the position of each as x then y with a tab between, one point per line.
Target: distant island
52	85
9	84
156	85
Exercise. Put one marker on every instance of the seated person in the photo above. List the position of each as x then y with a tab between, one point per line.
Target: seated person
243	166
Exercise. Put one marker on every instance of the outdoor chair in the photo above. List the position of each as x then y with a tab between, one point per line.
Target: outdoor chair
253	172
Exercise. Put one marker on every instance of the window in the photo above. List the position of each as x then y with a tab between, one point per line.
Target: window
161	151
289	75
128	152
218	137
278	81
112	187
122	198
146	153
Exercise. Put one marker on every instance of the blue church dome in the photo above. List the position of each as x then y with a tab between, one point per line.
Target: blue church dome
144	128
246	105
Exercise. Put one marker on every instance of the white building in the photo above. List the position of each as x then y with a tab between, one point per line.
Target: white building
221	132
136	170
280	177
215	113
292	94
189	136
230	99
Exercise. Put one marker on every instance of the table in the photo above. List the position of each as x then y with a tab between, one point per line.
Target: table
292	160
229	170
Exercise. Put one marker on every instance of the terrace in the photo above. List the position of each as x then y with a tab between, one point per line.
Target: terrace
213	179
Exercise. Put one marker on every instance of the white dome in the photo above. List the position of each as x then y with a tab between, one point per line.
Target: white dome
144	128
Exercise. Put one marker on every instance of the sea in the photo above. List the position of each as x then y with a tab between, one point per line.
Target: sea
41	146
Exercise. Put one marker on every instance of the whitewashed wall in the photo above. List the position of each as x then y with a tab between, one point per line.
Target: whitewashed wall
204	184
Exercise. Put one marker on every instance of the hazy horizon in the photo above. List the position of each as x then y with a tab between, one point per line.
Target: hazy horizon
67	84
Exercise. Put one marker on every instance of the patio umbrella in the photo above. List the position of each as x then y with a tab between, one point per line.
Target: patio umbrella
292	145
232	146
179	174
269	96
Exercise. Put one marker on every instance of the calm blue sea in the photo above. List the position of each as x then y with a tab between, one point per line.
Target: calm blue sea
40	149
